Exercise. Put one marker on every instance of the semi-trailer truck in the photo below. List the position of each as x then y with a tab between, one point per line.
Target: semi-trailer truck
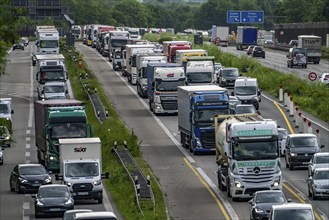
54	119
197	106
246	36
247	153
170	48
200	70
81	167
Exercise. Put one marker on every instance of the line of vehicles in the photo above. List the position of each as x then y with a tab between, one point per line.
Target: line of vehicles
184	81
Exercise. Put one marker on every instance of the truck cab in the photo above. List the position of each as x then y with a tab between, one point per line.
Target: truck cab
247	91
200	70
6	112
54	90
297	57
170	48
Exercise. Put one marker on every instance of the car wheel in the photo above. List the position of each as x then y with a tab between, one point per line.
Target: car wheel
36	215
287	164
191	147
18	188
100	201
291	167
264	57
10	187
309	191
228	188
8	145
313	195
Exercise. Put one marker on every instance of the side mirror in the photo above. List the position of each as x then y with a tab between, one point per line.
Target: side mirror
42	92
66	92
12	111
232	93
322	146
34	196
250	201
288	200
105	175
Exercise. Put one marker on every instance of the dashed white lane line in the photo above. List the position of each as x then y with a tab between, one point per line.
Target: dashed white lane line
28	146
28	139
27	154
28	131
26	205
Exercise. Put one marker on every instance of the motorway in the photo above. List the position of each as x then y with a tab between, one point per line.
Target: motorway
277	59
189	181
19	84
167	160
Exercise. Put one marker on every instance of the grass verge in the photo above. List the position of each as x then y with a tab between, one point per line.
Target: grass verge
114	129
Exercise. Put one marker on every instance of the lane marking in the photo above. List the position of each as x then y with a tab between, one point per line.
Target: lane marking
221	207
27	154
285	117
188	158
28	146
26	205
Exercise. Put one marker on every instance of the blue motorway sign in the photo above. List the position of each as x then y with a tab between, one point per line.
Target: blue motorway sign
252	16
233	16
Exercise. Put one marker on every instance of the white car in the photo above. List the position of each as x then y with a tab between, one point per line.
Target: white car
319	160
283	134
292	211
324	78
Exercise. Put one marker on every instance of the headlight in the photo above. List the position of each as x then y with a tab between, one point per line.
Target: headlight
238	184
48	180
7	138
98	182
69	202
8	119
22	180
69	184
198	142
293	154
52	158
39	203
223	79
259	210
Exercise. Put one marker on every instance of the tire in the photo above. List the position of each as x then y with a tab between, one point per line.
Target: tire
36	215
190	147
220	185
291	167
313	196
305	66
8	145
228	190
18	189
309	191
100	201
287	164
263	57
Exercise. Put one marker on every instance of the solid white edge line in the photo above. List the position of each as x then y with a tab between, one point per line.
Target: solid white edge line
225	202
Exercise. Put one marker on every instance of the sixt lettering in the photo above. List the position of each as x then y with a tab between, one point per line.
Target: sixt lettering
79	149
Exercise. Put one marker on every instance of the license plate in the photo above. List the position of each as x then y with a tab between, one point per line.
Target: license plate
305	162
82	193
54	209
37	184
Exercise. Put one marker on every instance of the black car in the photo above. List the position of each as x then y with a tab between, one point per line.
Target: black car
28	178
262	201
258	52
18	45
227	76
5	137
53	199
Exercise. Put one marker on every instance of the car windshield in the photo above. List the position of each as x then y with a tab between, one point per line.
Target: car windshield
168	85
199	77
48	43
32	170
258	49
322	159
53	192
81	169
270	197
4	109
69	130
293	214
304	142
245	90
255	150
283	134
321	175
53	89
245	110
230	72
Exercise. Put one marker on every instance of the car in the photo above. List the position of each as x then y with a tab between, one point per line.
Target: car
300	149
1	155
268	42
245	109
319	160
54	90
5	137
25	41
293	43
54	199
69	214
227	76
324	78
262	201
249	49
318	183
297	57
28	178
18	45
233	102
258	52
101	215
292	211
283	134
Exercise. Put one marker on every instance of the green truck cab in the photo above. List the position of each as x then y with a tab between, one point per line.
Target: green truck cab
56	119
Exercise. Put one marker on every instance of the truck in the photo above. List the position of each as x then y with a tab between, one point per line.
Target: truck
197	106
81	167
220	35
247	155
246	36
170	48
47	39
117	41
162	82
55	119
181	55
200	70
96	29
131	52
246	90
134	34
142	60
6	112
313	45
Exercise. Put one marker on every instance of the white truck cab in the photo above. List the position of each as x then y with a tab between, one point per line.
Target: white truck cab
247	91
200	72
47	41
54	90
6	111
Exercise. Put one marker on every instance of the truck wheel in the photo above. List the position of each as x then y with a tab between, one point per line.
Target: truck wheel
191	146
150	105
100	201
219	177
182	139
228	188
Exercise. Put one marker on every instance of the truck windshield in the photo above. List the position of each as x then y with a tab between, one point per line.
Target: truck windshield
118	43
168	85
293	214
81	169
49	44
207	115
69	130
245	90
199	77
4	109
51	76
255	150
53	89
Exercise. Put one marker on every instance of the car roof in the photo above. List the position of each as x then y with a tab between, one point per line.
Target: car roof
321	169
321	154
88	215
30	165
230	68
292	206
268	191
301	135
53	185
282	129
77	211
244	105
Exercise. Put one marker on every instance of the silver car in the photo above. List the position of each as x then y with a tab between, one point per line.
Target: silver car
319	160
318	183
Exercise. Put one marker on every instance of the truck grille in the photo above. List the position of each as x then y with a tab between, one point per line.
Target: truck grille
208	139
82	187
169	104
265	175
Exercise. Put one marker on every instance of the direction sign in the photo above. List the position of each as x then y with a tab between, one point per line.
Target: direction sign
252	16
233	16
